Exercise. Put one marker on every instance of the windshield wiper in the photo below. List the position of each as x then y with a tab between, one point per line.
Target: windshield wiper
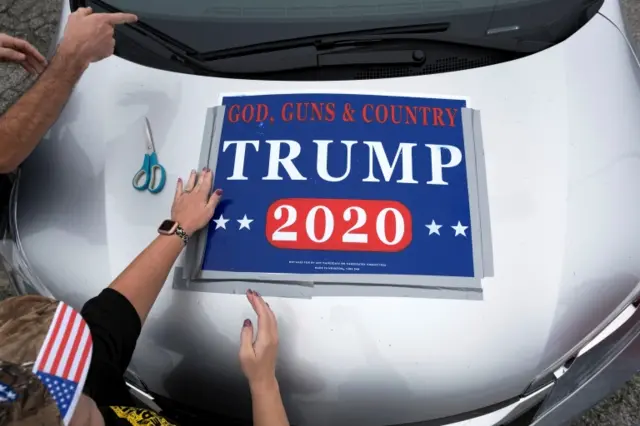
326	42
310	57
382	46
373	47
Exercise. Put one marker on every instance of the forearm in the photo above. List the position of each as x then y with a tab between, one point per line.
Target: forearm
25	123
268	409
143	279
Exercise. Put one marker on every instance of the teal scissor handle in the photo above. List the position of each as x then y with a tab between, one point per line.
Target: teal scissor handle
151	175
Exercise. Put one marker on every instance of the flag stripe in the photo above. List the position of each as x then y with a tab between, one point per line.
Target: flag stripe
60	360
49	339
67	350
60	327
84	357
81	377
84	342
77	340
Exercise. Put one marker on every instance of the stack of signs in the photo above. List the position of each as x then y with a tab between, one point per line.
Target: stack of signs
344	192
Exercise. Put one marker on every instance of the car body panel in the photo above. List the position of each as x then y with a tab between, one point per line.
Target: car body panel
560	138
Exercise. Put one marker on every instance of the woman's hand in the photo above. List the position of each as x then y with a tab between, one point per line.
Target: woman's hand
16	50
193	207
258	360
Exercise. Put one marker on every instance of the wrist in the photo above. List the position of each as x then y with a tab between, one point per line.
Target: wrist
264	386
186	227
67	58
173	228
187	230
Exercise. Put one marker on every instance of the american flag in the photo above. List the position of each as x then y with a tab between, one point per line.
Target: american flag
64	359
6	393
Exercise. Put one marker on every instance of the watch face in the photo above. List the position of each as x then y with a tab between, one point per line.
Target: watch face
167	226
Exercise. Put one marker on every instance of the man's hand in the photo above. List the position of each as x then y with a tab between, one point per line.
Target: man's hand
88	36
258	360
21	52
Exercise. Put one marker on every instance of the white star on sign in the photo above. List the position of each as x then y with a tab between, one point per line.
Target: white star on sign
244	222
434	228
460	230
221	222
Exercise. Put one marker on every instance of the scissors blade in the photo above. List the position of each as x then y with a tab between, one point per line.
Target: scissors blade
150	145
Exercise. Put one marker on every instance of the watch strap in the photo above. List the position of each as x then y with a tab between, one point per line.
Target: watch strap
180	233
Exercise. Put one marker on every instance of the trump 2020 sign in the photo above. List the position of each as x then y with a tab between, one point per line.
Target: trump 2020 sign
344	184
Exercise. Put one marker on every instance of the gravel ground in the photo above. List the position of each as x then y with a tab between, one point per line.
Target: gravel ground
632	15
36	20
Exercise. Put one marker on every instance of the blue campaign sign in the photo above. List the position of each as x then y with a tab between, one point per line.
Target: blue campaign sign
342	184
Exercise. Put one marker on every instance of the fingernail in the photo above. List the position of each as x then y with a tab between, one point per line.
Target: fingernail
257	294
247	322
249	292
218	191
193	171
206	169
179	179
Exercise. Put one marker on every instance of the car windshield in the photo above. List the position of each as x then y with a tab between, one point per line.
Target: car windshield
208	25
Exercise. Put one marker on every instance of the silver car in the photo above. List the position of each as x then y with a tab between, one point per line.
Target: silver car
546	329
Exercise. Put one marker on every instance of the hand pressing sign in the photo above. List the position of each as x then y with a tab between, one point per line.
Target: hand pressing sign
258	359
22	52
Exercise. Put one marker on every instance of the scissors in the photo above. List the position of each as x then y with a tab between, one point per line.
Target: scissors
151	175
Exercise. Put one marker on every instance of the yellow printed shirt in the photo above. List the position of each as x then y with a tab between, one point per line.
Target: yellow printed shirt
133	416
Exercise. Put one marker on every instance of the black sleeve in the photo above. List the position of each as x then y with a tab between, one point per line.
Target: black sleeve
115	327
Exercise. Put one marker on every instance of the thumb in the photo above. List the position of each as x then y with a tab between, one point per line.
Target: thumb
246	340
11	55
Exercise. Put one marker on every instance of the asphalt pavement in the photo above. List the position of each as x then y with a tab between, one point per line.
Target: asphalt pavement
36	20
631	10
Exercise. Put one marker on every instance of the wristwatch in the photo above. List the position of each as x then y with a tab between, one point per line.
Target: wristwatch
170	227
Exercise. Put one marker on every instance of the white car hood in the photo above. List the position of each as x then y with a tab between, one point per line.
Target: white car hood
560	131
